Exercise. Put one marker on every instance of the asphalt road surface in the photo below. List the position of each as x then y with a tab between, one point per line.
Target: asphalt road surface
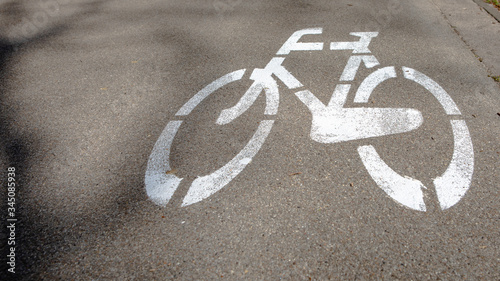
249	140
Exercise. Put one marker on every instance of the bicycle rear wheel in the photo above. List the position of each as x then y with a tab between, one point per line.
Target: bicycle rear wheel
161	183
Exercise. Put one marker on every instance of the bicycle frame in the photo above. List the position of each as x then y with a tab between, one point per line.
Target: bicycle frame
331	123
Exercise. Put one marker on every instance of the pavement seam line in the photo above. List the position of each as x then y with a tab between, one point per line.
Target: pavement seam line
490	73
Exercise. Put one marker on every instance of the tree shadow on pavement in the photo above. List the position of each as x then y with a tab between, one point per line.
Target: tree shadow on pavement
45	235
36	241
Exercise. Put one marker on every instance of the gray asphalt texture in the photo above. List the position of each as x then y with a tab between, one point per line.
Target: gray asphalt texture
86	90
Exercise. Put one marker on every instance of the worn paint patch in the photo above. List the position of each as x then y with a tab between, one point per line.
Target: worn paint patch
161	185
404	190
456	180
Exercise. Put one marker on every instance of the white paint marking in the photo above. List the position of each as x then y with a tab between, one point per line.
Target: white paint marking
353	64
210	88
371	81
293	44
441	95
160	186
263	81
404	190
205	186
339	96
332	123
357	47
274	67
456	180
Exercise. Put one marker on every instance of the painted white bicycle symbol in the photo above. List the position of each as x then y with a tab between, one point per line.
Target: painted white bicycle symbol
331	123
